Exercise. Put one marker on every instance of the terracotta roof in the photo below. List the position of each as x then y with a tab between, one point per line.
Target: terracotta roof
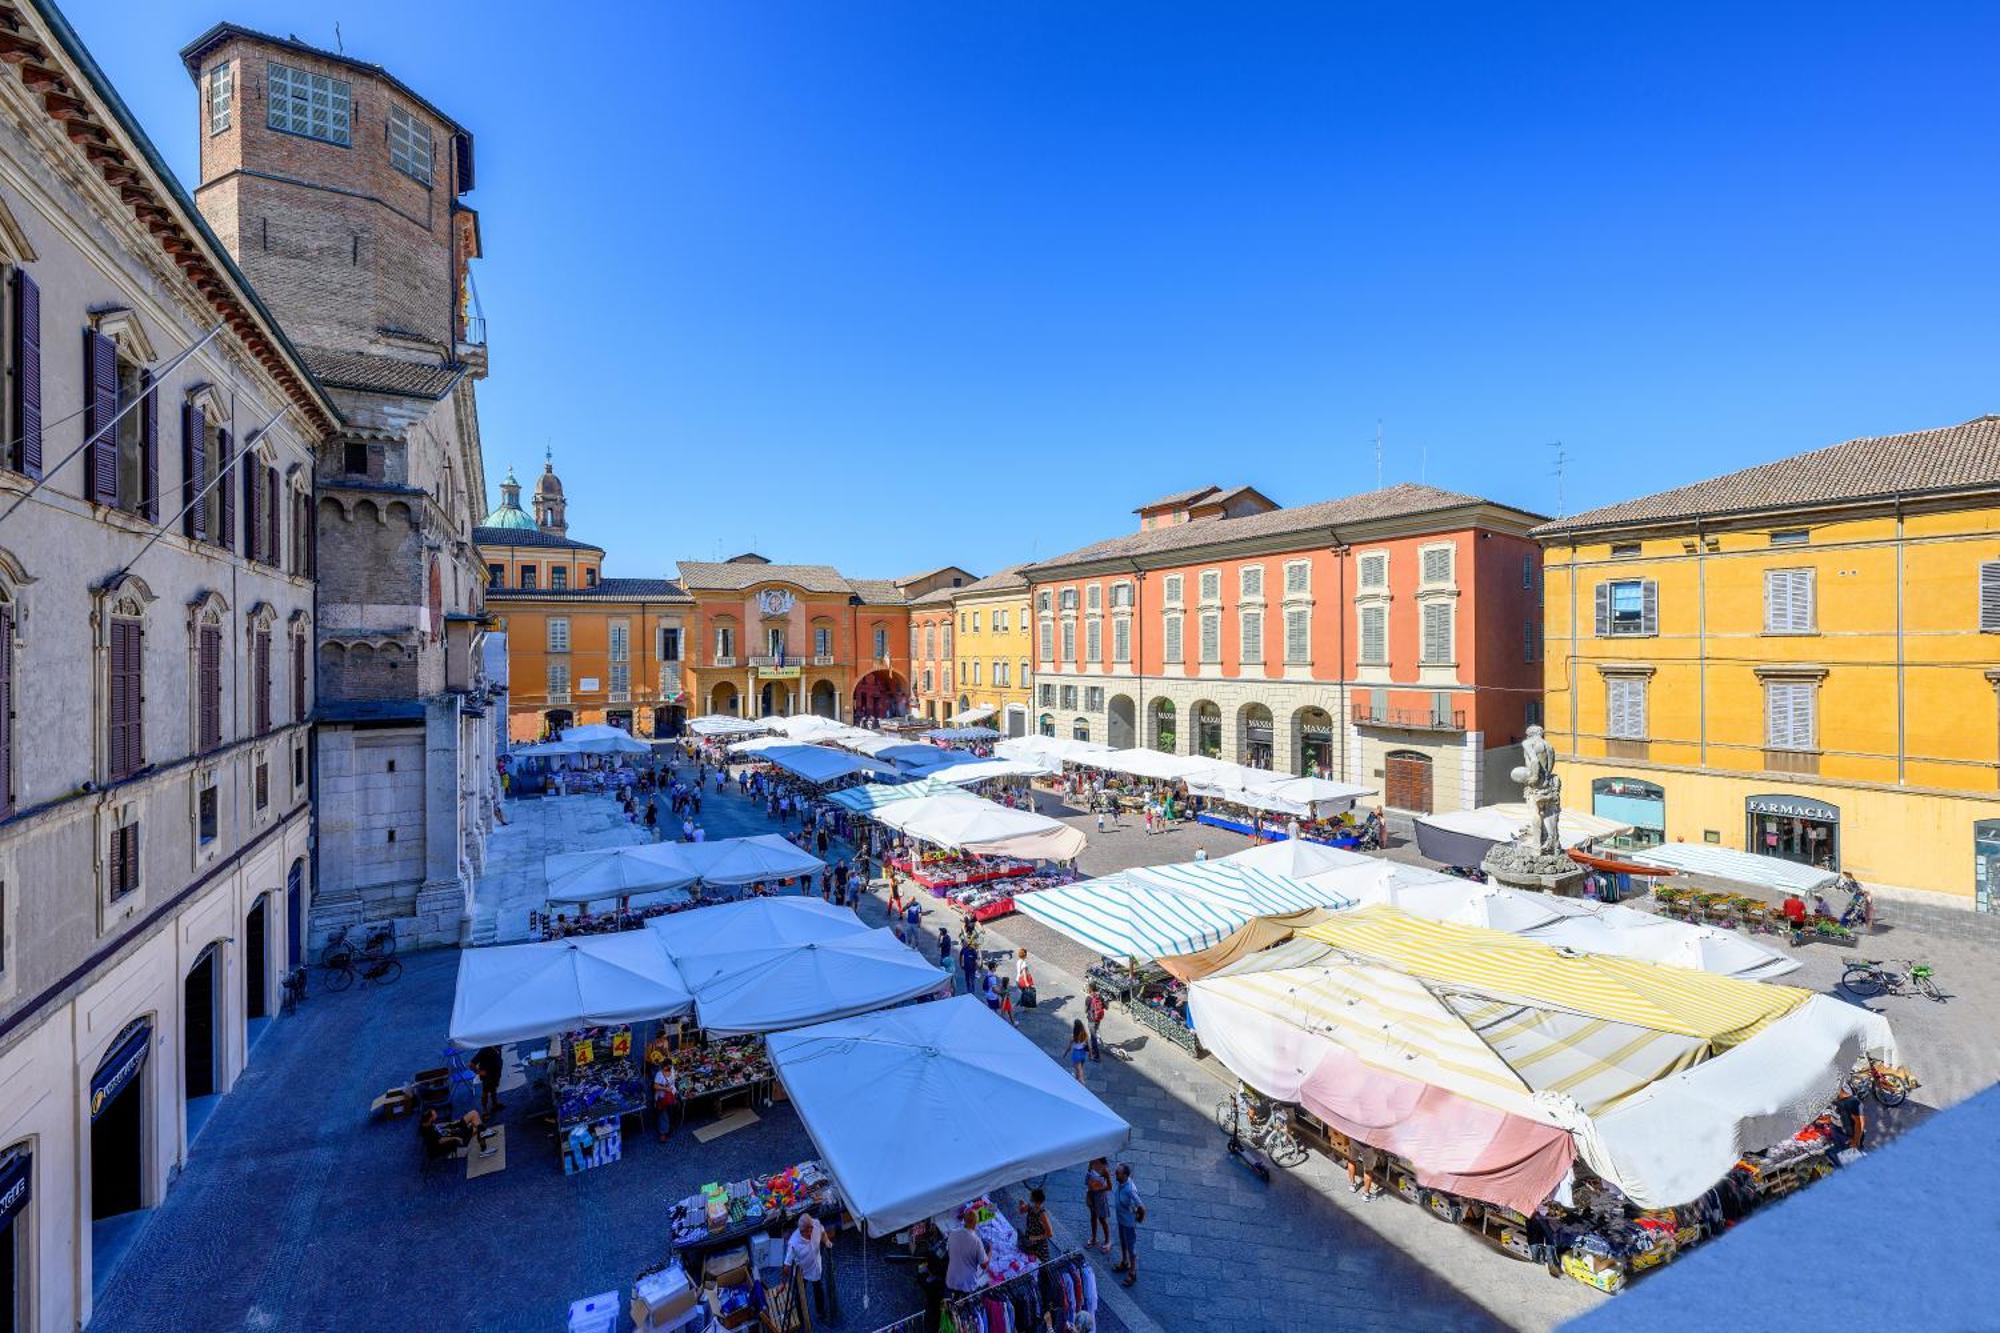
1010	579
908	579
1390	502
727	575
381	374
880	592
936	597
529	537
1177	498
1224	497
1946	458
649	589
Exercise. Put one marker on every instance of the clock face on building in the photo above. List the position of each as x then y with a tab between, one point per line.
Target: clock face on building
775	602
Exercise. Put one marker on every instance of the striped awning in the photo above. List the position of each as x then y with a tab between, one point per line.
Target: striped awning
1245	888
1127	916
1719	1010
875	794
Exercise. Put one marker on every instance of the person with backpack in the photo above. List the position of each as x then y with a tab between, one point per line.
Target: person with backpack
1093	1014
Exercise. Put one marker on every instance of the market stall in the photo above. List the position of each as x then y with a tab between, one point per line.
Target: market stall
615	875
722	724
595	1085
751	987
866	799
1463	837
962	735
521	992
963	822
766	858
859	1084
1297	859
1261	804
1772	874
819	765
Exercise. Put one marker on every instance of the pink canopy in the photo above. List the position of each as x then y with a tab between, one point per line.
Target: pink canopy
1455	1143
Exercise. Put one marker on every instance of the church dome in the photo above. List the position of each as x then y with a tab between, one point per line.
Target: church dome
550	485
510	514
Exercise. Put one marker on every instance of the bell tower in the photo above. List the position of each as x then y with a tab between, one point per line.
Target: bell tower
549	499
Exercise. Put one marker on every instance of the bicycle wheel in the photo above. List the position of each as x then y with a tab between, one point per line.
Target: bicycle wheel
335	947
384	971
1928	988
340	972
382	944
1225	1115
1285	1150
1862	980
1890	1092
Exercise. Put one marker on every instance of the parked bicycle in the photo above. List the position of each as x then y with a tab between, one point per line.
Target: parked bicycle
295	989
343	968
1272	1133
1871	977
1887	1084
381	943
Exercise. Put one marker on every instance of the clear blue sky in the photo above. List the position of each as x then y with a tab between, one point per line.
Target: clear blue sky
896	285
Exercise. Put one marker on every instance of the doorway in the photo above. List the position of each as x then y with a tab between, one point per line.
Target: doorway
1257	736
201	1075
1315	743
256	970
17	1182
118	1149
1406	781
295	912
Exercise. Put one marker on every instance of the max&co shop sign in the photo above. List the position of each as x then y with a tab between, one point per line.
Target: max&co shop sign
120	1067
16	1187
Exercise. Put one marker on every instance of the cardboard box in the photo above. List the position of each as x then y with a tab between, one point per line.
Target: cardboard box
737	1318
662	1314
727	1268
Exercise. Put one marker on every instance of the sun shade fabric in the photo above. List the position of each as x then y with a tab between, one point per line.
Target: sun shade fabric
1127	917
1055	749
875	795
1765	872
964	822
720	724
993	1107
771	986
1245	887
598	739
521	992
1258	789
982	770
1297	858
1253	936
817	764
617	872
729	861
1463	837
979	714
752	923
1150	764
963	734
1719	1010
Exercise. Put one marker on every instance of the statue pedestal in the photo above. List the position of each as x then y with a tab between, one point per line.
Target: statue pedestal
1514	866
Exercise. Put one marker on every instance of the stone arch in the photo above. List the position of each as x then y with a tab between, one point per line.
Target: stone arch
1205	729
824	700
1079	729
1121	722
724	698
1162	730
1255	737
1313	748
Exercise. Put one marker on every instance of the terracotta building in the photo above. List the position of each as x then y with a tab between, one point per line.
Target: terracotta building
338	189
1388	638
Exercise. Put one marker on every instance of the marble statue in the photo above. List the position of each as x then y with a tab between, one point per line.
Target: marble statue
1542	790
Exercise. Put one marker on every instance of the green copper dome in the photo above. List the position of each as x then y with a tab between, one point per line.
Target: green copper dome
509	514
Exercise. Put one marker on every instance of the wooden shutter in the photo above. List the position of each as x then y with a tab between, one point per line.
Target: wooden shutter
1252	650
100	409
27	359
253	527
1172	635
194	471
6	710
1649	607
274	541
298	677
1626	708
1298	645
126	741
1437	633
1989	597
114	870
225	491
260	666
1211	637
1374	636
149	448
1603	602
1789	722
1788	601
208	685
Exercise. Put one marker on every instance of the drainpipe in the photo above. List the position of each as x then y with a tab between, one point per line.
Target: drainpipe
1701	641
1571	672
1344	708
1902	735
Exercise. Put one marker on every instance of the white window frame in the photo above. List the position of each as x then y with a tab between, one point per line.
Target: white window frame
1791	601
1210	587
1093	640
312	106
1069	641
1211	638
558	634
1298	636
1627	701
1381	615
559	682
1781	698
1121	639
1425	556
1250	636
1250	583
1171	589
1377	560
1174	647
1440	609
221	96
1298	578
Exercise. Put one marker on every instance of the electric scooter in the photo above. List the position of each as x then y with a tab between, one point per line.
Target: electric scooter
1243	1153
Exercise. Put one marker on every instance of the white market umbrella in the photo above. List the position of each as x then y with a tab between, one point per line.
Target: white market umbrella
729	861
994	1108
616	872
1297	858
520	992
770	987
729	927
597	739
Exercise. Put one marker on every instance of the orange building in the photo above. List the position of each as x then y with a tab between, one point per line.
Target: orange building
581	648
1389	638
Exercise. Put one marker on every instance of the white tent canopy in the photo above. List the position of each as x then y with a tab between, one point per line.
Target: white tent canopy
1154	764
764	857
1126	915
1054	748
519	992
994	1108
771	986
980	770
817	764
873	795
759	744
616	872
963	822
721	724
1463	837
979	714
595	738
1297	858
1308	798
963	733
1765	872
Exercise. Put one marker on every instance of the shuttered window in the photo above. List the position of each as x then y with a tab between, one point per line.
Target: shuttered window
6	715
559	637
149	448
1172	592
1625	707
1788	601
253	513
1047	636
1791	715
100	412
225	491
1093	698
1375	570
260	680
1093	640
1121	639
558	680
1374	636
1211	585
208	687
1437	633
1531	640
125	740
194	471
1251	580
1121	600
1989	597
1047	695
274	518
1527	571
1069	696
1069	641
1627	606
1170	633
122	862
1298	578
1252	650
1094	600
1211	637
1437	564
298	677
1298	636
25	354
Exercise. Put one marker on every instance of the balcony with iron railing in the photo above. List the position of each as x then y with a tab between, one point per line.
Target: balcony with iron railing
767	660
822	659
1409	719
721	661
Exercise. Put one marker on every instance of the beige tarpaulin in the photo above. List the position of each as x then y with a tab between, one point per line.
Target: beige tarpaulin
1254	936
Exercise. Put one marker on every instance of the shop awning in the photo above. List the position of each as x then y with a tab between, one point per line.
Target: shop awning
598	739
917	1110
1463	837
771	986
819	765
721	724
611	873
963	822
874	795
979	714
964	733
1764	872
728	861
521	992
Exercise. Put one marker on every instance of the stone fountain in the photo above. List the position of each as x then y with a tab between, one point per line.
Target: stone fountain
1536	859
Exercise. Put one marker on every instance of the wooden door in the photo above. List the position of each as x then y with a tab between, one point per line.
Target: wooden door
1406	782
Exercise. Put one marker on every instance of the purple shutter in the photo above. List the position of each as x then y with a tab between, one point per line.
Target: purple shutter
227	536
127	739
114	713
253	531
194	471
298	677
260	658
208	681
6	710
100	409
27	359
274	542
116	869
149	448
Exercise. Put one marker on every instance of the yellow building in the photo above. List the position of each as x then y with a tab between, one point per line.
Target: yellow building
993	652
1798	660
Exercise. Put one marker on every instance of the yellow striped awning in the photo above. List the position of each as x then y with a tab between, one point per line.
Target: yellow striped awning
1720	1010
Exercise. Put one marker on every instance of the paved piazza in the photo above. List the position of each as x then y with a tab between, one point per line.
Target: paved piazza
361	1235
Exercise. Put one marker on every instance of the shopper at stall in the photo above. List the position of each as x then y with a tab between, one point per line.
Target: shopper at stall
1362	1164
666	1100
944	947
1131	1211
1037	1232
965	1256
803	1259
968	963
1097	1200
487	1064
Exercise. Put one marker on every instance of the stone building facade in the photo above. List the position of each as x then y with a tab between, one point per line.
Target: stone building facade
157	674
338	189
1388	639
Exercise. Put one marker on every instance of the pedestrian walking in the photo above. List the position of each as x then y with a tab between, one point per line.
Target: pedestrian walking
913	915
803	1259
1093	1013
1097	1201
1079	1048
1131	1211
968	963
944	947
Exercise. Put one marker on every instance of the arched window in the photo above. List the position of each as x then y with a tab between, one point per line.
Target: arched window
1080	729
1047	725
206	645
122	641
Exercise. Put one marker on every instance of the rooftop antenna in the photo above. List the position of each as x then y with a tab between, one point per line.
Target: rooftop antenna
338	45
1378	453
1562	462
